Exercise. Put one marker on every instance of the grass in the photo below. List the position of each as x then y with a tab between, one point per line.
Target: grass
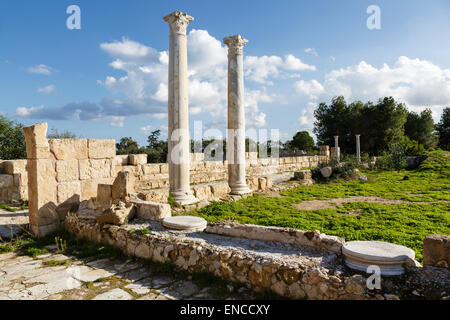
406	224
54	263
13	209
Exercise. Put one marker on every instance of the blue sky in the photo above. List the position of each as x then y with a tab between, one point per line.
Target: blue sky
109	79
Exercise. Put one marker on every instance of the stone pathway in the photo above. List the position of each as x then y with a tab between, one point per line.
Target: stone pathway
54	276
11	223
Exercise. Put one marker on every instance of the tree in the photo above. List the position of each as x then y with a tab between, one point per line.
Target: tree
302	141
420	128
55	134
12	140
157	149
127	146
443	128
378	124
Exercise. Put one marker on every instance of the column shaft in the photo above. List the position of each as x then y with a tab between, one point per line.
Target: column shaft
178	111
236	116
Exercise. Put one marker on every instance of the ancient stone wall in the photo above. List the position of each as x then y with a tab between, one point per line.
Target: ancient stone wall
61	173
13	181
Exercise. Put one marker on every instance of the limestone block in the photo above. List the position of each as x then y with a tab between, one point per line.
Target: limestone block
89	187
436	250
67	190
20	180
41	186
67	170
303	175
6	181
104	195
123	185
137	159
95	168
117	215
156	195
202	192
152	210
100	149
164	168
151	168
36	141
120	160
220	189
15	166
69	149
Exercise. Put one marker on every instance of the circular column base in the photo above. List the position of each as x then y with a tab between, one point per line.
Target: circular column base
184	198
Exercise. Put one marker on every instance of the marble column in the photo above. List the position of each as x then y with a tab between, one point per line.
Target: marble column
236	116
178	133
336	148
358	148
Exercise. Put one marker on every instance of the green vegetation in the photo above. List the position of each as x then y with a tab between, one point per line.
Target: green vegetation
13	209
12	140
54	263
426	212
141	232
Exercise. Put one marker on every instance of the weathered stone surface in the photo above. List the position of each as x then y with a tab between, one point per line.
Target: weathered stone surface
120	160
152	210
69	149
303	175
137	159
6	181
89	187
14	166
387	256
185	223
123	185
67	170
95	168
117	215
100	149
115	294
326	172
151	168
436	250
67	190
36	141
104	195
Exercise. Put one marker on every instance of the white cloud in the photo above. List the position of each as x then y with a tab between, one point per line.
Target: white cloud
311	88
146	129
26	112
418	83
48	89
259	69
41	69
312	51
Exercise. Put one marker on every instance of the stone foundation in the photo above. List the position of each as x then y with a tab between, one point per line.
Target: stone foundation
294	271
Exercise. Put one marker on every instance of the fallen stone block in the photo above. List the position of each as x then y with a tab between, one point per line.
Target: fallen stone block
152	210
436	250
117	215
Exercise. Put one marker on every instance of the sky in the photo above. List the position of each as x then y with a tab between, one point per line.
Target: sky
108	79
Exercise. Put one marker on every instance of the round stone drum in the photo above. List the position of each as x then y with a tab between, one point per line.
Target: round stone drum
389	257
186	223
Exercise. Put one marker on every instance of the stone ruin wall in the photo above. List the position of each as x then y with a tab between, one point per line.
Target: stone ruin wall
79	165
13	181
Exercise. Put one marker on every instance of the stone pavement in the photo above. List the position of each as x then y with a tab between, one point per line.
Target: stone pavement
54	276
12	223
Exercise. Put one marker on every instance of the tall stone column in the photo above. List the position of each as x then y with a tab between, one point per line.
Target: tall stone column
358	148
178	133
236	116
336	148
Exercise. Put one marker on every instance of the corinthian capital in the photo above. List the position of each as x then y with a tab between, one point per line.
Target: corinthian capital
235	44
178	22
